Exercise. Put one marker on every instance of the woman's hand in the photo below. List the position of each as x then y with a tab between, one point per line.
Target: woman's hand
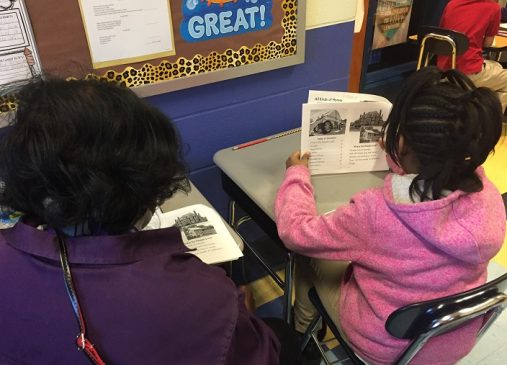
296	159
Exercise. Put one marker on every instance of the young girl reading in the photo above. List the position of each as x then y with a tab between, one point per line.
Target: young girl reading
430	231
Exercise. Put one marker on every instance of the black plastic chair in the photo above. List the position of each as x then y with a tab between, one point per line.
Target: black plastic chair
441	42
421	321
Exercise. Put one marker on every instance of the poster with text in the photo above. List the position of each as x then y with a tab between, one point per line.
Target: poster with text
19	60
392	19
126	31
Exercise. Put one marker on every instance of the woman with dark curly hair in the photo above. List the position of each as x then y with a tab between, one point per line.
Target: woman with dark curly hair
84	162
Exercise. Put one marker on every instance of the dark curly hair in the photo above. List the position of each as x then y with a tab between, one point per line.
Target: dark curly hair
449	124
88	151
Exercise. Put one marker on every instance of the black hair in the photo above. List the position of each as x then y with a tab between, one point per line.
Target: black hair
88	151
450	125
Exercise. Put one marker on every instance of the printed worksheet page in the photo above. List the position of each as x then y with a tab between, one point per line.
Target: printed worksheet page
202	231
19	59
123	31
341	131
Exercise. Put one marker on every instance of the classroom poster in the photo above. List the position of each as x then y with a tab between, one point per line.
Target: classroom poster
19	60
203	20
392	19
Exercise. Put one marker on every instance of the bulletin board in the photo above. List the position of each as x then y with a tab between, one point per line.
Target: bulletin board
213	40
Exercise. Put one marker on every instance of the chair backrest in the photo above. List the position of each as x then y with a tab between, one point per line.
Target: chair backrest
421	321
442	42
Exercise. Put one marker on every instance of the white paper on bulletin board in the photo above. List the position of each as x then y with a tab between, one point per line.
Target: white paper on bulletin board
19	60
359	16
391	22
123	31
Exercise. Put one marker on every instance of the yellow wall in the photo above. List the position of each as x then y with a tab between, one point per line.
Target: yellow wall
320	13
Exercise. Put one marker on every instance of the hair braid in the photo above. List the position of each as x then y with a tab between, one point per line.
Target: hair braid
451	127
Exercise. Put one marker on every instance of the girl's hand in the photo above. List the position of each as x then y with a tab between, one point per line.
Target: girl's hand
296	159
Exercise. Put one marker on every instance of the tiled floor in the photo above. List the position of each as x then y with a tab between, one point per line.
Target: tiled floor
491	350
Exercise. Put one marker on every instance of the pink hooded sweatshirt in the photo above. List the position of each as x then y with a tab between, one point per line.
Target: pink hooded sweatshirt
401	253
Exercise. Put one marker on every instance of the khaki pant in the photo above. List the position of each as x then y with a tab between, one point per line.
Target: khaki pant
493	76
325	276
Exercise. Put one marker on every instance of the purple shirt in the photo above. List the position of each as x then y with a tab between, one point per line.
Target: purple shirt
145	301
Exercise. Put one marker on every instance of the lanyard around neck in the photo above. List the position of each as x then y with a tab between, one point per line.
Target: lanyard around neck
81	341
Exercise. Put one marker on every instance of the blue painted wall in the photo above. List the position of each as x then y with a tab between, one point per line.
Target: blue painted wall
223	114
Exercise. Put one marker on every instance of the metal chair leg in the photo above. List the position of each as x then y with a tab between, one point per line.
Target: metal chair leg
311	335
232	213
285	284
289	270
307	336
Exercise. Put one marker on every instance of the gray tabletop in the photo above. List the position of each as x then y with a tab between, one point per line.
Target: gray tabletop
180	200
259	169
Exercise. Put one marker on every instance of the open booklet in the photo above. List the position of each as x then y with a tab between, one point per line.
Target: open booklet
202	230
341	131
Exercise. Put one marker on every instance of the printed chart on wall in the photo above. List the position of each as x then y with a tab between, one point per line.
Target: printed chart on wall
19	60
391	22
158	46
121	32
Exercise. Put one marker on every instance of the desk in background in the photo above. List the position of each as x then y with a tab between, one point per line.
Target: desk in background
499	43
251	177
494	51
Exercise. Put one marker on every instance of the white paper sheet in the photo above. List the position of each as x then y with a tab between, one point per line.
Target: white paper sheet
19	60
359	16
123	31
13	67
202	230
341	132
317	96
